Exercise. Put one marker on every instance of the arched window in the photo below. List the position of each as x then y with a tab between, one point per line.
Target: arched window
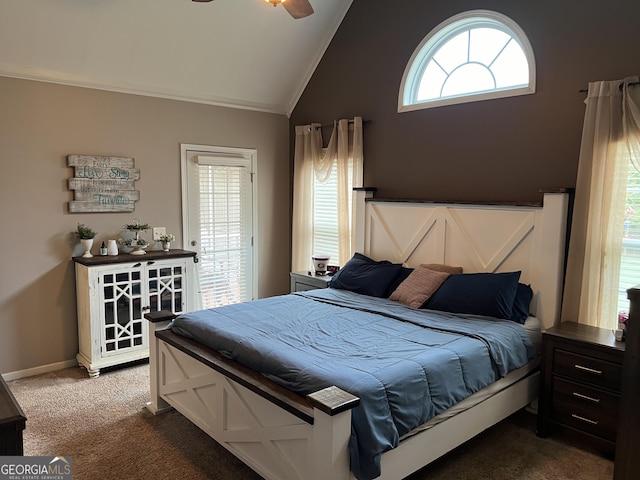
476	55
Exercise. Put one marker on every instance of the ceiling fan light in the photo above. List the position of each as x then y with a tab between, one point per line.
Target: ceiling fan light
275	2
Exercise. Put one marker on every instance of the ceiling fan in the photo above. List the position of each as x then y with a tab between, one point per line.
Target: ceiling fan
296	8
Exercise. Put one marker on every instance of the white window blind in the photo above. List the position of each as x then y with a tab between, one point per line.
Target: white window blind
225	230
630	261
326	234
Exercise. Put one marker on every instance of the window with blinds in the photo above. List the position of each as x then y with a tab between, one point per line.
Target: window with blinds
225	225
630	260
325	232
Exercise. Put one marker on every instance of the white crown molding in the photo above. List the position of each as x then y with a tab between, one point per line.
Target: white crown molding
39	75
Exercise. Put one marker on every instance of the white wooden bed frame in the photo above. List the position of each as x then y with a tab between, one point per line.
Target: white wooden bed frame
281	435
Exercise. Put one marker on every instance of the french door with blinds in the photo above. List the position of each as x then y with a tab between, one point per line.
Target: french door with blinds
218	221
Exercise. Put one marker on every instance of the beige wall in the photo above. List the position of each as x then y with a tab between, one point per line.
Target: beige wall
40	124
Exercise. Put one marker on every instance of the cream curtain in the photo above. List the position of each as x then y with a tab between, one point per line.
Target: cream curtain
611	133
345	151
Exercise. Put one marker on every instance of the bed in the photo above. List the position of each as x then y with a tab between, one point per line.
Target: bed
283	434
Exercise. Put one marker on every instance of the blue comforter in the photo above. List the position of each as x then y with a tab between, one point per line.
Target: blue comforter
405	365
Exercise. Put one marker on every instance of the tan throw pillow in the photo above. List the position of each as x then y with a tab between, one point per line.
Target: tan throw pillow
438	267
418	286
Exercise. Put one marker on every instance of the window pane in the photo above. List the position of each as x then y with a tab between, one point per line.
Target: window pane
486	44
325	241
431	83
478	60
326	233
453	53
511	68
469	78
225	211
630	261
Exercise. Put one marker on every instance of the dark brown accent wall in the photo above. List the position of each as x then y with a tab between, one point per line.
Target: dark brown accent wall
504	149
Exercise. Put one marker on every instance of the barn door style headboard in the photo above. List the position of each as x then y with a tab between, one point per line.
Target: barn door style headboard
478	237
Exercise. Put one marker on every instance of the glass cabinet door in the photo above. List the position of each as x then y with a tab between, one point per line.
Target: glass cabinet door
121	297
166	287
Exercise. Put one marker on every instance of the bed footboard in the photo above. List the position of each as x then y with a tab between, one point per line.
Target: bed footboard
277	433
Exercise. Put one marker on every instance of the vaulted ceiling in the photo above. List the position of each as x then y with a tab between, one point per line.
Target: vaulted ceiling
239	53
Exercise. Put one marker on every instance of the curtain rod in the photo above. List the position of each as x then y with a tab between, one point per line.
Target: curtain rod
585	90
350	121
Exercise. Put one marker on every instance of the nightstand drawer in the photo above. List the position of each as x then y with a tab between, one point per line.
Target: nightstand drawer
586	407
303	287
586	418
592	370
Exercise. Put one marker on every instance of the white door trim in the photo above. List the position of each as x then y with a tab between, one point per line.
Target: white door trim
249	153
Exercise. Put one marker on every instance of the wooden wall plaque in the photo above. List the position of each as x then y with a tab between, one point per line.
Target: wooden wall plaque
103	184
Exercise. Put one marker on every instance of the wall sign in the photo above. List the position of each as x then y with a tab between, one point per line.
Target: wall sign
103	184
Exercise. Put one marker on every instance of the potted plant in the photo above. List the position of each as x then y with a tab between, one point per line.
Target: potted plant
166	240
137	226
138	243
86	236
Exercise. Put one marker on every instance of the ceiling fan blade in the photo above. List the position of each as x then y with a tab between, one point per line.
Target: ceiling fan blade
202	0
298	8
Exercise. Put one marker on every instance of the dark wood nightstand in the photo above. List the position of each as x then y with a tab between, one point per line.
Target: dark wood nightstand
580	382
302	281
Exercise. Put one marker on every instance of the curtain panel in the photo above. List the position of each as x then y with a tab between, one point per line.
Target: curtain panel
344	151
610	139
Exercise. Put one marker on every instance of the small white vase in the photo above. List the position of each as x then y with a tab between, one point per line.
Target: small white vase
87	243
166	246
112	247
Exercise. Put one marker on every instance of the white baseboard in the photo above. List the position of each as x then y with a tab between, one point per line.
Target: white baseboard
30	372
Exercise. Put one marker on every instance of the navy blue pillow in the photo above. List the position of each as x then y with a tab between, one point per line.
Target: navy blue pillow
363	275
489	294
521	303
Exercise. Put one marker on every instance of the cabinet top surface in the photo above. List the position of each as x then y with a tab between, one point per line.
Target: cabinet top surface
326	278
97	260
586	334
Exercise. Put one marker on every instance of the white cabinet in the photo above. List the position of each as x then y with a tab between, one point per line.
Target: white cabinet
114	293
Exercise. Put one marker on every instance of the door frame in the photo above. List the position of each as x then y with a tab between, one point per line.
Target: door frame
250	153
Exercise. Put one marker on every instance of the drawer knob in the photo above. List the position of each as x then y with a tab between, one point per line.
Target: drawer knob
588	370
585	397
583	419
